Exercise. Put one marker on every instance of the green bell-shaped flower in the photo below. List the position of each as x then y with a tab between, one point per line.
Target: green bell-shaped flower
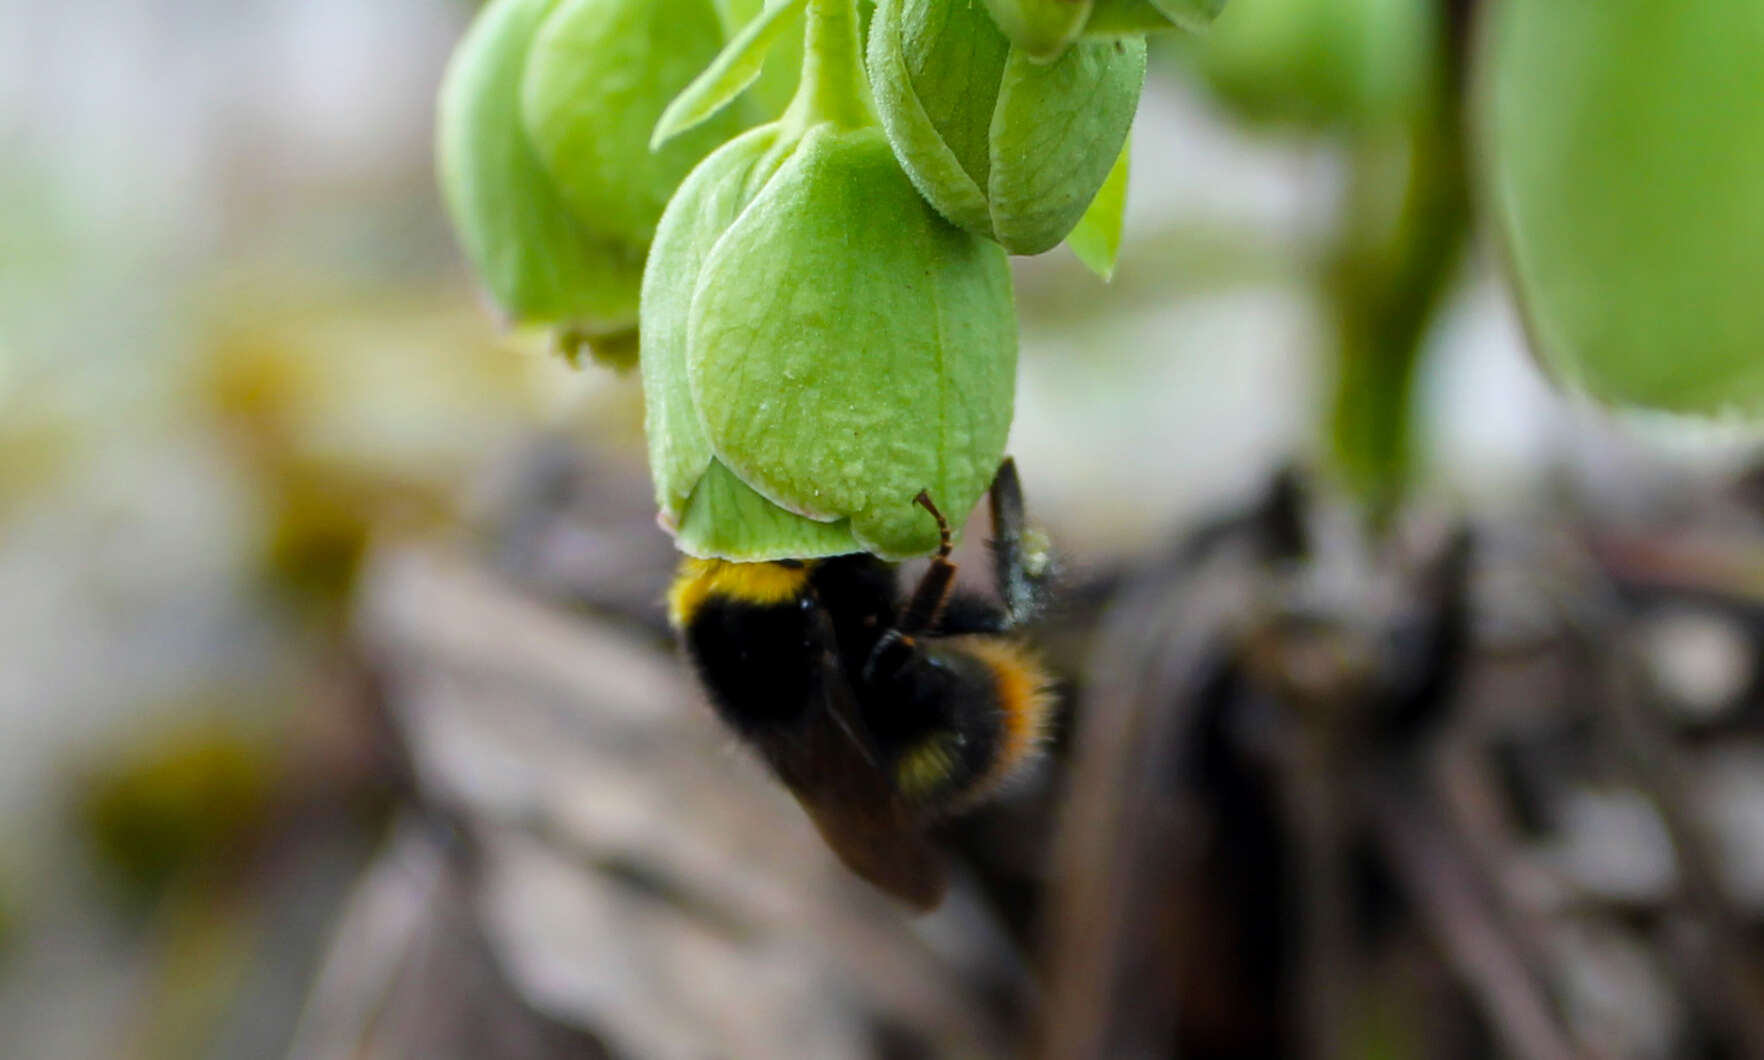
1002	145
540	264
819	345
1623	157
598	75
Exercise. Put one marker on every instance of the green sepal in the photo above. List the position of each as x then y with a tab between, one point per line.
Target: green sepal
598	76
734	69
726	519
539	264
1097	238
848	348
1090	96
1041	29
938	112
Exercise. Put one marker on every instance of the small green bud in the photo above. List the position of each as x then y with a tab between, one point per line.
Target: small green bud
819	346
540	265
1001	145
598	75
1359	63
1623	153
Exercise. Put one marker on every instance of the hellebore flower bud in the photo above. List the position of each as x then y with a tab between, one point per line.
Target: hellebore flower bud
598	75
1001	145
540	264
1323	62
843	349
1623	152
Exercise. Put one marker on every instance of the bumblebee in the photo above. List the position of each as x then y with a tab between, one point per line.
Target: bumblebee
879	713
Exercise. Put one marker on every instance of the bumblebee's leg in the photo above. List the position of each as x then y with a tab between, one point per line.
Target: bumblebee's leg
1022	564
924	610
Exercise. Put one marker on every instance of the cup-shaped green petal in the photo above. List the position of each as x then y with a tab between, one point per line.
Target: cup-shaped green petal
1624	161
726	519
708	202
1357	63
848	348
598	75
540	265
1003	146
710	511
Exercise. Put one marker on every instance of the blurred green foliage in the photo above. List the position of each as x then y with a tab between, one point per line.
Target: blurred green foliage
1362	64
185	801
1624	143
1382	79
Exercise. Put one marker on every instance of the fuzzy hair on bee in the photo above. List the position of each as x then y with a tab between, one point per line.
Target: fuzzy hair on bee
880	713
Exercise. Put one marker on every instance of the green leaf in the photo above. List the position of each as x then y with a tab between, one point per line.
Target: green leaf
848	348
726	519
538	262
1097	239
737	66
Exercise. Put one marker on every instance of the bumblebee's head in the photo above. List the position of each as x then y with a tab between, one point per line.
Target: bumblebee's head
974	714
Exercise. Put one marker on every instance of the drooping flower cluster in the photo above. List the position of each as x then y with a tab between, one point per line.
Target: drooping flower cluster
826	318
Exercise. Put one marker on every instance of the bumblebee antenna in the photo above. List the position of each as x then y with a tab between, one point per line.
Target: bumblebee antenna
1022	567
932	592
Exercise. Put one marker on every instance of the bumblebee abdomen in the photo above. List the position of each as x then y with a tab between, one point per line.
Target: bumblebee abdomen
748	630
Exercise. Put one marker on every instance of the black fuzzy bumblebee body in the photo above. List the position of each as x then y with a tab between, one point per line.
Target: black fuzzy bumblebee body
879	713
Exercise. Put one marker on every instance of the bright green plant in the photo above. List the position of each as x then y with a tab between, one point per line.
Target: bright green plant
827	326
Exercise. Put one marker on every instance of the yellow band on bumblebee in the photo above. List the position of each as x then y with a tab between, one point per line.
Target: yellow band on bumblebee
759	584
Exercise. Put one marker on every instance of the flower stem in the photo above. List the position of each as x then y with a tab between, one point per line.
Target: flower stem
1387	279
834	88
